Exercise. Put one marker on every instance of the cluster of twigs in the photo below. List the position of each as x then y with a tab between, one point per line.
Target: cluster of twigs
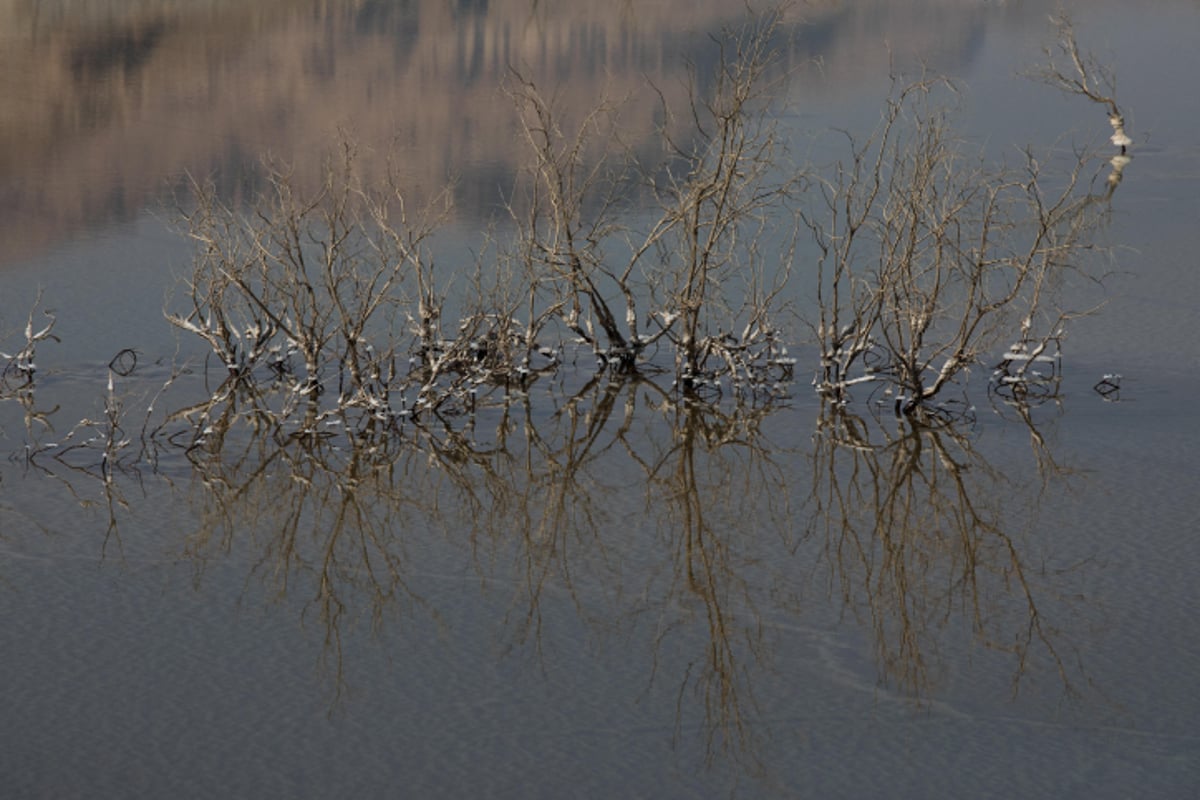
17	370
324	301
929	260
917	521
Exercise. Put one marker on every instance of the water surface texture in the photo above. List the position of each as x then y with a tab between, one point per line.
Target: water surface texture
596	588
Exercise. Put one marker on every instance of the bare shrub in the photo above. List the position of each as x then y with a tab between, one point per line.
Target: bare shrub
1085	77
721	195
619	288
930	259
310	285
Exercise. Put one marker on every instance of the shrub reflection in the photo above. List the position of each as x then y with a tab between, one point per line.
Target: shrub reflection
921	534
704	568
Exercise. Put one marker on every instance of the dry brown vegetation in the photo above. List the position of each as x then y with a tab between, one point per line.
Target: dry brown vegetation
346	392
333	292
932	259
927	259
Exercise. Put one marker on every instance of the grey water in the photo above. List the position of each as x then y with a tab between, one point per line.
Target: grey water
625	595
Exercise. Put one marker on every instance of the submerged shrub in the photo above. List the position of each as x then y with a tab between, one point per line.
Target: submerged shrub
926	261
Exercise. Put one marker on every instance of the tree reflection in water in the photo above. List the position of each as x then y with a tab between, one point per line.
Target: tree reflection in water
659	518
721	488
320	513
922	535
540	497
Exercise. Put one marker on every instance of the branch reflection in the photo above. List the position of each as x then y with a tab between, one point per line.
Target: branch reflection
323	511
551	500
660	523
921	534
722	496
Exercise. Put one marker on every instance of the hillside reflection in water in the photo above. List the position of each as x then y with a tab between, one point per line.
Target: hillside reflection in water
104	109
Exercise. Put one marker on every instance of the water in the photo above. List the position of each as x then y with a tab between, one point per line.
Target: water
612	595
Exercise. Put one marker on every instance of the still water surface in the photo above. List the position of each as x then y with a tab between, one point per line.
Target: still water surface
621	596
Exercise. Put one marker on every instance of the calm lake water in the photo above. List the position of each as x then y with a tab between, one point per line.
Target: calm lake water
619	594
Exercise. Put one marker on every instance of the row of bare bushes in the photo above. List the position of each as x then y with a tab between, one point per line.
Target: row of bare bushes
925	261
